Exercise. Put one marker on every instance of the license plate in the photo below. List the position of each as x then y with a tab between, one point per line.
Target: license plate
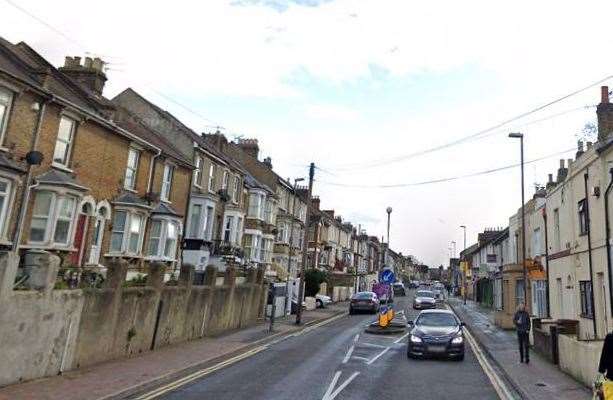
436	349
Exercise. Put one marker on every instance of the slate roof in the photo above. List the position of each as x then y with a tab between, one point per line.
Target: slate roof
165	209
251	182
131	199
9	163
60	178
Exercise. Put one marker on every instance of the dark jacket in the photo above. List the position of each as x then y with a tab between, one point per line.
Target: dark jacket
522	321
606	357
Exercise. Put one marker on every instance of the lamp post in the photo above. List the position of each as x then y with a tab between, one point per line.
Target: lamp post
465	283
291	244
520	136
388	210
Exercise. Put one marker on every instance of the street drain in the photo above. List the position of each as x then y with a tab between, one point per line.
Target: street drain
541	384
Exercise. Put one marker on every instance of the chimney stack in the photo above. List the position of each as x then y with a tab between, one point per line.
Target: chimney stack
268	162
562	172
90	76
604	111
249	146
579	149
315	203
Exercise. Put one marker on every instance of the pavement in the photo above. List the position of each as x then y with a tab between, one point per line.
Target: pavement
338	361
119	379
539	380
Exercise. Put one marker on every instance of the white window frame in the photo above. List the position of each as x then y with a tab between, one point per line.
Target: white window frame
198	228
132	168
125	239
198	171
256	211
225	180
52	218
8	105
211	183
167	178
6	206
236	189
162	240
229	226
69	143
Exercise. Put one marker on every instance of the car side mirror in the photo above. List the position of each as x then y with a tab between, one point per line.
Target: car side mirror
410	323
462	324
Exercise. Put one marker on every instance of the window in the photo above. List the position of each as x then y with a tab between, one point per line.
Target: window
266	251
212	178
127	232
6	98
224	182
539	298
236	191
228	229
268	216
585	290
194	221
52	213
163	237
5	193
167	182
63	143
131	169
208	223
239	231
198	171
281	232
536	243
556	229
256	205
519	292
583	220
253	248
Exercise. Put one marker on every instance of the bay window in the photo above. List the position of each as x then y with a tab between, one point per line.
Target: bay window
127	232
232	231
256	205
253	247
53	218
167	182
63	143
163	238
131	169
6	99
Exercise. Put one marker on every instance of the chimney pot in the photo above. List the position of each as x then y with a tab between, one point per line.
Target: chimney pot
550	178
68	61
77	60
97	64
562	163
604	94
87	63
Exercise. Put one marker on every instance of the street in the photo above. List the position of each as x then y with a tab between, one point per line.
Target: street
340	361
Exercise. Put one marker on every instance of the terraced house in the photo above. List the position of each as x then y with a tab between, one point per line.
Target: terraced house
73	181
217	206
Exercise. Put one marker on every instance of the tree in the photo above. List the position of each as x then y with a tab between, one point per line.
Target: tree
312	281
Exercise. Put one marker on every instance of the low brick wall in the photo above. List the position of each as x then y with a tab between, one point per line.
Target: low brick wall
579	359
44	332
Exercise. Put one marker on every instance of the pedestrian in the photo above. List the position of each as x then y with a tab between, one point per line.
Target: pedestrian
522	324
606	358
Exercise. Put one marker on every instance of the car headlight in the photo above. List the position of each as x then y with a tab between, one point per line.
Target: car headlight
417	301
416	339
457	340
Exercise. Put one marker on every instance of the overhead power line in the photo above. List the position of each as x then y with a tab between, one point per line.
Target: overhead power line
472	136
449	179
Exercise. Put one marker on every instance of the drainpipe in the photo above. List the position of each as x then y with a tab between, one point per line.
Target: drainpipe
608	237
25	198
589	252
546	262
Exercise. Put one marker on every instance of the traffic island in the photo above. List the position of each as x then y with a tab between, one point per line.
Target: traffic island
388	323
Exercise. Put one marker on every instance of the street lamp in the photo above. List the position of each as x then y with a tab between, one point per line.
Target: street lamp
465	280
389	212
520	136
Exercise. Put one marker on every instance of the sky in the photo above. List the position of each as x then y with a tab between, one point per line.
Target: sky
360	88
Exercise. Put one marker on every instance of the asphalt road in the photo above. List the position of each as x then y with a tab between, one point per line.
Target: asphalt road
340	361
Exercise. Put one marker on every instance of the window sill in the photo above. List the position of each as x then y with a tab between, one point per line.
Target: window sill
61	167
166	201
131	190
586	316
42	246
124	255
161	259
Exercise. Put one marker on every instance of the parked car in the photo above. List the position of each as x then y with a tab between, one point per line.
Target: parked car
322	300
413	284
364	301
436	333
424	299
399	289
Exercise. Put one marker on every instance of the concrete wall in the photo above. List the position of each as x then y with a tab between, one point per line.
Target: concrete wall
579	358
48	331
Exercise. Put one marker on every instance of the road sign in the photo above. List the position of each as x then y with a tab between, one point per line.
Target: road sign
387	276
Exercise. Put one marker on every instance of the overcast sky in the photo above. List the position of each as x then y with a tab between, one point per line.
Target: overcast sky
351	85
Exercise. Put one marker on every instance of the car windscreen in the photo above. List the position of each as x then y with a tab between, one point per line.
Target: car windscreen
363	296
436	319
425	293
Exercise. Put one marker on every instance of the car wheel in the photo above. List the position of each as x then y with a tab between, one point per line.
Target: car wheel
320	304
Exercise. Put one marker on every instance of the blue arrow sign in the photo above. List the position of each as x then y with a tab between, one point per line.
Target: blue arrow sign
387	276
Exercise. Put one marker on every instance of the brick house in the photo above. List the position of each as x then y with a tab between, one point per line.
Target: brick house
74	202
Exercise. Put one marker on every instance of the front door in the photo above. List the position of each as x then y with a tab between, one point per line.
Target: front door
77	256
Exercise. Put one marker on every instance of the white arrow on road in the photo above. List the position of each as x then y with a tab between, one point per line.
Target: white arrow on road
331	393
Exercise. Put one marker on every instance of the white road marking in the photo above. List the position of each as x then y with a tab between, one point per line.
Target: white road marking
343	386
331	386
378	355
348	355
366	344
355	339
401	338
360	358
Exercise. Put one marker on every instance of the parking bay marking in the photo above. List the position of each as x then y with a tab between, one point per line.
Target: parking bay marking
331	393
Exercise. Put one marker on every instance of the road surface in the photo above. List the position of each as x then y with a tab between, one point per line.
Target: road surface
340	361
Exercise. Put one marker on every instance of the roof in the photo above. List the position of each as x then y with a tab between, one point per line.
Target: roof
9	163
130	198
471	249
165	209
253	183
59	178
503	235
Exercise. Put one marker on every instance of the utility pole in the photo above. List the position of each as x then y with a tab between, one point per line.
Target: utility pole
305	246
520	136
465	283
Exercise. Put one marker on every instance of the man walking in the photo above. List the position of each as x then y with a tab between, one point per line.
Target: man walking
522	324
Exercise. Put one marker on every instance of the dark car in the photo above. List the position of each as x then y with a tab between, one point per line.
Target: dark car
399	289
364	301
424	299
436	333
